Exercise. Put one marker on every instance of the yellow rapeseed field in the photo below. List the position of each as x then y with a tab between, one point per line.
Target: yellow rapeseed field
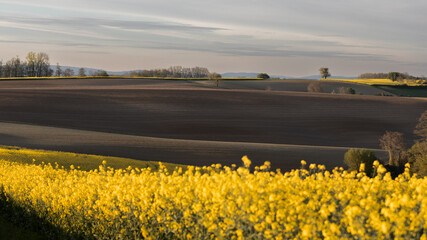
220	202
383	82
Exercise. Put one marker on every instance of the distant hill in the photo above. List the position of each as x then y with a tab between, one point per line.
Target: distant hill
224	75
247	75
332	77
253	75
239	74
89	70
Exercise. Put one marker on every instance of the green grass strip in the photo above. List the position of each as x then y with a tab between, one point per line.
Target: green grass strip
84	162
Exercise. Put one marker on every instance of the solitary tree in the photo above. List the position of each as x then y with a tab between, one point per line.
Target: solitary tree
421	128
324	72
263	76
393	143
215	77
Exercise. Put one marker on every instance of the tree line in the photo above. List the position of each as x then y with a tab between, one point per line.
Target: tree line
173	71
394	76
34	65
38	65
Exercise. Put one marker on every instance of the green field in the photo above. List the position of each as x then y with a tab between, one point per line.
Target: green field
405	91
81	161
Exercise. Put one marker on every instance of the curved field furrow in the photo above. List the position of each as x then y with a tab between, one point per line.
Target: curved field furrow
171	110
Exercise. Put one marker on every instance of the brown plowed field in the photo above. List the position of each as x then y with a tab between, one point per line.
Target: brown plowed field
181	110
297	85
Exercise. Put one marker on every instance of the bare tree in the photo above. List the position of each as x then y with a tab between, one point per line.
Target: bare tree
393	142
175	71
58	72
421	128
31	64
42	66
68	72
1	69
6	70
199	72
15	68
373	75
82	72
99	73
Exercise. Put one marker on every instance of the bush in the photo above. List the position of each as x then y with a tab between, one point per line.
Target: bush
418	158
350	91
263	76
354	157
393	76
314	87
215	77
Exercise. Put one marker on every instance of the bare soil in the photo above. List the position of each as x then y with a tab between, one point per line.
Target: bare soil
297	85
183	110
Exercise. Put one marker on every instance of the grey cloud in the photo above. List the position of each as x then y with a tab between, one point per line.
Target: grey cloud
99	22
242	45
54	42
241	49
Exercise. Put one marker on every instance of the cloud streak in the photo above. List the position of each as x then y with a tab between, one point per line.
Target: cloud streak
328	31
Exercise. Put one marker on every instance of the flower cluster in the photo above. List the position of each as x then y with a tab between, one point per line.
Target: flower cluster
220	202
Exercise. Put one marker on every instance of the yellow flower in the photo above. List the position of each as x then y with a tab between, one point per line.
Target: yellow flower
362	167
205	203
246	161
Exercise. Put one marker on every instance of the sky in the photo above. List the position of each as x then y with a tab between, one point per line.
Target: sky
279	37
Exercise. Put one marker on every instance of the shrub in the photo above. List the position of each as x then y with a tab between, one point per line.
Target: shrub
263	76
350	91
421	128
314	87
353	158
215	77
418	158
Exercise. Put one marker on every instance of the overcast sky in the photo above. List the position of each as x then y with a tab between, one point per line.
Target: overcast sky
287	37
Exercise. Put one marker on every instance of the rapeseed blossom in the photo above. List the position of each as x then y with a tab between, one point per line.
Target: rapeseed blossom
219	202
